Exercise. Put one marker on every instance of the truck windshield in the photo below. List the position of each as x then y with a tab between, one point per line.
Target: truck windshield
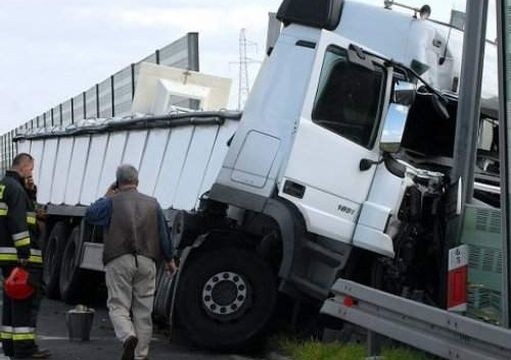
348	98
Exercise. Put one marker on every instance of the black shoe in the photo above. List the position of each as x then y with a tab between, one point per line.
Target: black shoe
39	354
129	348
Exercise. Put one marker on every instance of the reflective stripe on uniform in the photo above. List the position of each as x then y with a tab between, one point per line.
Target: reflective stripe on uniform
23	330
6	332
31	219
22	242
11	250
35	259
12	257
21	337
11	254
20	235
21	239
5	335
23	333
3	209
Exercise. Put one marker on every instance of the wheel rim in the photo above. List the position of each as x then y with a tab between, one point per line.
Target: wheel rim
225	296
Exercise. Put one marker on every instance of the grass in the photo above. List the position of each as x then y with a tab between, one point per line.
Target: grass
308	350
315	350
404	354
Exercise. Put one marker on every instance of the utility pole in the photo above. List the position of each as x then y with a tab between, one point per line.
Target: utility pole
244	61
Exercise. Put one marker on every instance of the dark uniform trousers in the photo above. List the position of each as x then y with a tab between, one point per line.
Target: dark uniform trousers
18	241
19	318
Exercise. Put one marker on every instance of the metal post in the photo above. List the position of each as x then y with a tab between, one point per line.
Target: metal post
132	81
97	101
503	28
72	111
373	345
84	101
467	121
193	51
112	90
470	96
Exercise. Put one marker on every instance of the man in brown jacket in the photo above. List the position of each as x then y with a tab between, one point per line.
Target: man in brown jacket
135	237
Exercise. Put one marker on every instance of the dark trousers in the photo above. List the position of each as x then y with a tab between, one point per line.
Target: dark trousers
19	319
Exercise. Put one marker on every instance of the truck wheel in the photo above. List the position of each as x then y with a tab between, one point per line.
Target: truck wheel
69	283
53	258
226	298
163	299
157	314
41	239
163	295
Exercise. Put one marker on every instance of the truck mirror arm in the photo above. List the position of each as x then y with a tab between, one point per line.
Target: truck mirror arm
366	164
406	69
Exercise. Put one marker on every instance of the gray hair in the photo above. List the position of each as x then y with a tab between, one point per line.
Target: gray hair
126	174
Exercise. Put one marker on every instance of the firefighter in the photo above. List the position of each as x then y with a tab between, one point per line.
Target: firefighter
18	246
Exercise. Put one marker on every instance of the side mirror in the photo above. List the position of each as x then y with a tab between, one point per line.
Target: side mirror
393	128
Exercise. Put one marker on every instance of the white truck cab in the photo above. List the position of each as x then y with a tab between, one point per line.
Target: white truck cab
345	147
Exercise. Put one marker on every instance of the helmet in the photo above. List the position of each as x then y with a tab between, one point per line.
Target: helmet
17	285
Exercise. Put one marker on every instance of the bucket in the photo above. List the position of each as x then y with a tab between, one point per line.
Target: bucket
79	323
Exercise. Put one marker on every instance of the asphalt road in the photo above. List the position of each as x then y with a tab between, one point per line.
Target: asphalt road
53	335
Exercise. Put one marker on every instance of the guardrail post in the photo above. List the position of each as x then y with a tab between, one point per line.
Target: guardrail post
373	345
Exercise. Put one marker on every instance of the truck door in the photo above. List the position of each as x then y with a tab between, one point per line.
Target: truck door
339	127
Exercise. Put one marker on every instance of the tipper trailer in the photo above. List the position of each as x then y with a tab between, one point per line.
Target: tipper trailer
311	183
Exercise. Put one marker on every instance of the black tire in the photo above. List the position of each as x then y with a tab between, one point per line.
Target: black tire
160	270
235	280
53	258
42	239
157	313
163	299
163	295
70	283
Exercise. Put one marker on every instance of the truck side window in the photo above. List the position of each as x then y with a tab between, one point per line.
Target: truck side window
348	98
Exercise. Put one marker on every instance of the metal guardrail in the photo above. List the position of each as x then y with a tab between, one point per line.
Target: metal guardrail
434	330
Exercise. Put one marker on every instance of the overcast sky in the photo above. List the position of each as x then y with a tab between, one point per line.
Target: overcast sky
53	49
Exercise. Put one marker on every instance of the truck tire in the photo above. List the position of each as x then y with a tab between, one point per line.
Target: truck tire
163	299
42	239
226	298
70	274
53	258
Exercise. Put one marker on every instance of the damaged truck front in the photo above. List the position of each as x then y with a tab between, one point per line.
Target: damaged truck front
339	168
344	176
